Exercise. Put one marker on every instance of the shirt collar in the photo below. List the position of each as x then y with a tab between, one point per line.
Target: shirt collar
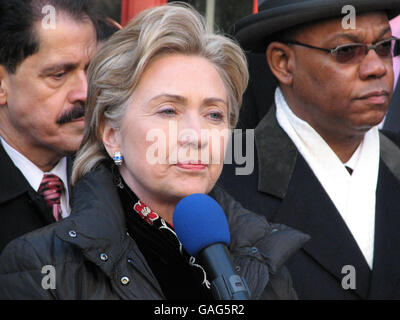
31	172
354	158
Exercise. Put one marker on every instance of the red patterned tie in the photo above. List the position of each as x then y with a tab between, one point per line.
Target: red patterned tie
50	189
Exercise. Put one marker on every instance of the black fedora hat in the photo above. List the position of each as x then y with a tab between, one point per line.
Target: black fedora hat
253	32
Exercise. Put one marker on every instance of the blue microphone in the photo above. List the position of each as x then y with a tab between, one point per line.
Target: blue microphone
202	228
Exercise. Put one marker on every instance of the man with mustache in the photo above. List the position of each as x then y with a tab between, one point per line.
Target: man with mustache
45	49
322	166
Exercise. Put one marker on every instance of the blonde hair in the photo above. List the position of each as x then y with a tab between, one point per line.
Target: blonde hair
113	75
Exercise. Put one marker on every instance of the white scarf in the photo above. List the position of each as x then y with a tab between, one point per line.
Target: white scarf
353	195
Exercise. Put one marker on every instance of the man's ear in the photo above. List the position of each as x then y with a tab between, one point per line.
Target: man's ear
281	61
3	85
111	139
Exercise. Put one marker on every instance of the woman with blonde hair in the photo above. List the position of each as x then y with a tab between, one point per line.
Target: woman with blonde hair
159	90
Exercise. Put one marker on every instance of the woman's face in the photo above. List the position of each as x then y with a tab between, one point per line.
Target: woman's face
174	132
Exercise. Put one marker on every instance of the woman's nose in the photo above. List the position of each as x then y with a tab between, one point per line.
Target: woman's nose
191	131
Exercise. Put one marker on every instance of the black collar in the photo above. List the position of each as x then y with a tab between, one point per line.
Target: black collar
276	156
97	219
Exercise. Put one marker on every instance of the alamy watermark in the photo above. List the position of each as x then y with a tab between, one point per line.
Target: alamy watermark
49	280
349	280
349	21
210	146
49	19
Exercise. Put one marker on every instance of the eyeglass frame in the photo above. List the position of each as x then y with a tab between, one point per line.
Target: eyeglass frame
333	51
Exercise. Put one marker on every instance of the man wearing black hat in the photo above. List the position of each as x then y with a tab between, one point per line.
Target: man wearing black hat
321	165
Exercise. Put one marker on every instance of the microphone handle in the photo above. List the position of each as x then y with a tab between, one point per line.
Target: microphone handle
226	284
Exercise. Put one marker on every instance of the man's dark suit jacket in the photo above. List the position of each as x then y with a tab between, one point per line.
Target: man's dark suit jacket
22	209
284	189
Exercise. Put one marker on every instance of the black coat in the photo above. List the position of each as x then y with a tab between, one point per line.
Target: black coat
22	209
284	189
96	226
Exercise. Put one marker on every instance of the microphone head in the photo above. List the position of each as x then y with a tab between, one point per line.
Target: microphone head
199	222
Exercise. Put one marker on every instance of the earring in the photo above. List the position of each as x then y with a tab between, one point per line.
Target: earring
118	158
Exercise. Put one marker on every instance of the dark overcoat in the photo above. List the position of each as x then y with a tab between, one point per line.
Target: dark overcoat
283	188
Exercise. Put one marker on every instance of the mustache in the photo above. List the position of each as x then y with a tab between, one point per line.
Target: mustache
76	112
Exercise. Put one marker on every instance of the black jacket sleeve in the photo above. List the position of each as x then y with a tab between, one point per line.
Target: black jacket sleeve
21	274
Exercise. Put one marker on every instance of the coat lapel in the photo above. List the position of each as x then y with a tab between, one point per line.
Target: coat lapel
306	206
109	234
19	186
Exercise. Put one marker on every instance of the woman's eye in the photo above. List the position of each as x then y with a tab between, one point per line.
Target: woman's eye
216	116
167	112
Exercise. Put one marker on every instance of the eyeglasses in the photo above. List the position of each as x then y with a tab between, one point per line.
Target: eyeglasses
355	52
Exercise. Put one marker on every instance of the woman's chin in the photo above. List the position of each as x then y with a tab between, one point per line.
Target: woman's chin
185	190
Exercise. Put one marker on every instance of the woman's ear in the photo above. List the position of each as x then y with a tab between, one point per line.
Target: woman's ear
111	139
281	61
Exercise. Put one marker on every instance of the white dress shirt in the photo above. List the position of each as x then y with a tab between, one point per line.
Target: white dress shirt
34	175
353	195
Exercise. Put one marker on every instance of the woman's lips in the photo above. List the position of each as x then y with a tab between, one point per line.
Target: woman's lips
192	165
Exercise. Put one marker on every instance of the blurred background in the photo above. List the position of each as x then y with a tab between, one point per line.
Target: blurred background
220	14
